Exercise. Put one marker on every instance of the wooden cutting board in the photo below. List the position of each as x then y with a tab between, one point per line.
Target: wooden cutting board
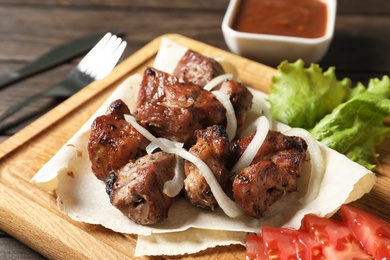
31	215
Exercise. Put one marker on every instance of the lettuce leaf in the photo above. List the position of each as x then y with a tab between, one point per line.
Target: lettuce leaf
300	97
348	120
355	127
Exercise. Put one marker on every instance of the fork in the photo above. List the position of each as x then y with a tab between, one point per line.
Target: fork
97	64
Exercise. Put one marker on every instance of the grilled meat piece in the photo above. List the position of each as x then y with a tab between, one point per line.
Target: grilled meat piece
153	85
258	186
113	141
118	109
240	97
212	147
197	68
163	100
185	108
137	188
286	151
273	171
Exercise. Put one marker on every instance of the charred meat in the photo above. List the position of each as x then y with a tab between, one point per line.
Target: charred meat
185	108
286	151
240	97
153	85
175	110
197	68
258	186
137	188
113	141
273	171
212	147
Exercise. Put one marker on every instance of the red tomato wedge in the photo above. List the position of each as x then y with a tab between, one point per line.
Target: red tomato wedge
338	241
313	247
283	243
359	236
373	232
255	247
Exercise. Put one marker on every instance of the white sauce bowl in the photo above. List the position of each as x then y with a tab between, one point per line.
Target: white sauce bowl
273	49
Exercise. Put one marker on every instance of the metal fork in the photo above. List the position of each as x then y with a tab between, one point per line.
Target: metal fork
97	64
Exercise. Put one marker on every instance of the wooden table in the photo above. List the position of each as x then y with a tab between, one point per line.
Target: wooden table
360	49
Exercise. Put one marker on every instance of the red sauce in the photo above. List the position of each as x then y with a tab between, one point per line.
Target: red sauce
300	18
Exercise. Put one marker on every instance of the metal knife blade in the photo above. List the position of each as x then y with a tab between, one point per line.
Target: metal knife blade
54	57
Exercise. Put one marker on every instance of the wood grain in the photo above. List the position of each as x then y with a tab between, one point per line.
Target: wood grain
31	215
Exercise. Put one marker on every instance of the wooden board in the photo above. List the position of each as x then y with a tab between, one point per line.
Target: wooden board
31	215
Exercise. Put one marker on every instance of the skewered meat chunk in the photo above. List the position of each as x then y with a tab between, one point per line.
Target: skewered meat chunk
286	151
185	108
153	85
163	100
137	188
258	186
273	172
212	147
197	68
113	141
240	97
118	109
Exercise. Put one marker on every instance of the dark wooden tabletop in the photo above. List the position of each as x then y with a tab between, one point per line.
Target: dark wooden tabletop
360	49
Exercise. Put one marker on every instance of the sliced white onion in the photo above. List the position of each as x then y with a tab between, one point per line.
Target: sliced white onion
227	205
217	80
262	127
316	161
153	146
173	187
251	128
166	147
229	67
262	106
231	127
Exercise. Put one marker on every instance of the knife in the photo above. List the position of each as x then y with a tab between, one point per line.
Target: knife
54	57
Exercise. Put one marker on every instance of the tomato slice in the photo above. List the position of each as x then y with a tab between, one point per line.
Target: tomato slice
360	236
337	240
282	243
313	247
254	247
373	232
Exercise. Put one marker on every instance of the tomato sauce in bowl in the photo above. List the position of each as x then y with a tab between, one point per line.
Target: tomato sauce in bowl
270	31
297	18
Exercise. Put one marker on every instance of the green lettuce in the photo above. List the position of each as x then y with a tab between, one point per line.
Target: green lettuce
300	96
355	127
348	120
